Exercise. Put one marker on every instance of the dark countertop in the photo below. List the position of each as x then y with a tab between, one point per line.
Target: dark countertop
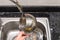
30	9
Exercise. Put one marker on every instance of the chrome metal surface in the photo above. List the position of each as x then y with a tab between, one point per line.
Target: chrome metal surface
10	27
29	21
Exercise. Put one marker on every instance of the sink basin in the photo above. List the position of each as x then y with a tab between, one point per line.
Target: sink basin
11	29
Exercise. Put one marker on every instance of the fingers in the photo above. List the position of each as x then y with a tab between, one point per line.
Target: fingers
21	33
21	36
25	37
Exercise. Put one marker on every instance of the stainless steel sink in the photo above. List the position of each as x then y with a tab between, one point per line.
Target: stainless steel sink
10	28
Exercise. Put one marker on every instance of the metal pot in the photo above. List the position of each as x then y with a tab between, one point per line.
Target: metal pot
28	22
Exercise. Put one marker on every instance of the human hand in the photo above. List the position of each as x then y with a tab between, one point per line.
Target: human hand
21	36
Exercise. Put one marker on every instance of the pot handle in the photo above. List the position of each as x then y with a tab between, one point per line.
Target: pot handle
29	15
